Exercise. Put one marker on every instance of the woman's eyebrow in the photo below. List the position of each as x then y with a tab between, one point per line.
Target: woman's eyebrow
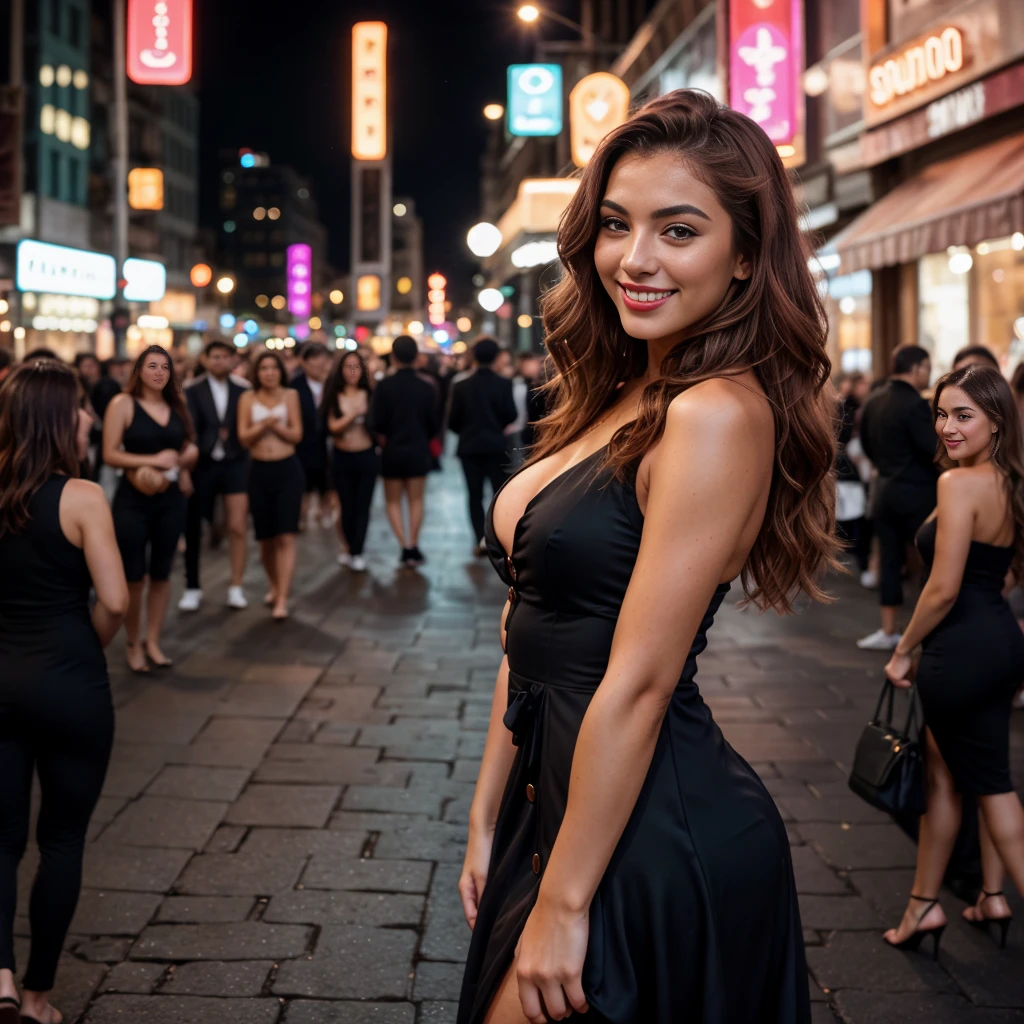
667	211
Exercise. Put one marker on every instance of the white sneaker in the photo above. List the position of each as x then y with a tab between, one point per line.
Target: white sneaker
358	563
869	580
236	598
344	558
190	600
327	520
880	641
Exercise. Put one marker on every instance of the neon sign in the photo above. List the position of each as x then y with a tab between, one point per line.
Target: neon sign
160	41
300	279
916	66
369	90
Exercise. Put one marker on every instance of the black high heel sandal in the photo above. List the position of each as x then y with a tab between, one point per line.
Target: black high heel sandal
916	937
984	922
10	1010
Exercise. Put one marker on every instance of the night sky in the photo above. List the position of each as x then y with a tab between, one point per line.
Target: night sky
275	75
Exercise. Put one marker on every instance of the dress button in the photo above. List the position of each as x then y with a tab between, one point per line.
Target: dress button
512	595
511	567
536	863
531	793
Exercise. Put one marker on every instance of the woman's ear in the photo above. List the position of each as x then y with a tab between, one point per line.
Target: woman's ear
743	268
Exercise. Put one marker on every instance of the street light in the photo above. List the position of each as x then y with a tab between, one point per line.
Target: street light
494	111
226	285
483	239
531	13
528	12
491	299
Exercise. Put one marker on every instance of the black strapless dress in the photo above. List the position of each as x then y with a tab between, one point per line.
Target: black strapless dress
696	918
971	666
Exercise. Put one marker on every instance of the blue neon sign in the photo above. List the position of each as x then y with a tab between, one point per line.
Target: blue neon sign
534	99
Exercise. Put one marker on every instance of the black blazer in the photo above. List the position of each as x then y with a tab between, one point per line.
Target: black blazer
404	412
898	435
207	425
312	449
482	406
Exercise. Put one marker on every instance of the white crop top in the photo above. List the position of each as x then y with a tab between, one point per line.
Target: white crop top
260	412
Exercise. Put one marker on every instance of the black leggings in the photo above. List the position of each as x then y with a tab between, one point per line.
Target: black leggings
901	511
64	728
355	474
148	525
477	468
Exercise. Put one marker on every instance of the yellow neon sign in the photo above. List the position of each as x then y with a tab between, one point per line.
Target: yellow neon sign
369	90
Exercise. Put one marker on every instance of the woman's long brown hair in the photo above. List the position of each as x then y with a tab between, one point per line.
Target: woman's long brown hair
38	435
172	392
988	389
773	324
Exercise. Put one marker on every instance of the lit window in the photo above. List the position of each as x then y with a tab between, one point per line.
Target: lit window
259	213
46	75
63	76
278	302
62	126
47	118
80	79
80	133
273	213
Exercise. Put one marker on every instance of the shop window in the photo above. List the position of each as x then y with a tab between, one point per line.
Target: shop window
998	294
943	322
848	305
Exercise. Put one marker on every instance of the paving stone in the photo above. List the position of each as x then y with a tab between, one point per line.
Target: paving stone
102	950
113	913
226	839
873	1007
373	909
373	821
191	782
166	727
204	909
131	868
77	982
414	800
861	846
301	841
166	822
378	964
328	872
219	978
845	913
446	936
225	729
247	940
287	806
307	1011
433	840
887	891
241	874
850	809
133	977
224	753
438	981
813	875
161	1009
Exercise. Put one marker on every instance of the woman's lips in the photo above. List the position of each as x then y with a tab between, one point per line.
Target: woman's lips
953	444
644	305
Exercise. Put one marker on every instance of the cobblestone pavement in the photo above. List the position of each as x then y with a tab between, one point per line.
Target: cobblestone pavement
281	831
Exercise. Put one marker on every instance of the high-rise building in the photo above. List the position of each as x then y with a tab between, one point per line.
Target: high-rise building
407	282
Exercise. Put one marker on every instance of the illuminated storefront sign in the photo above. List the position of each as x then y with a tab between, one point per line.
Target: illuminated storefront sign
437	283
300	279
160	41
146	188
369	90
42	267
145	280
911	69
597	104
534	99
765	62
368	293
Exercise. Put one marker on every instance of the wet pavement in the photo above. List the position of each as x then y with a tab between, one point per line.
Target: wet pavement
282	827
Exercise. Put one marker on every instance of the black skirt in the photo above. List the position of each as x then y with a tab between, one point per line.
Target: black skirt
275	496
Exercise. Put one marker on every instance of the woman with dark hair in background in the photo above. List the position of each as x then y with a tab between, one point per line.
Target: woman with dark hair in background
56	544
147	432
975	355
973	651
623	860
355	462
270	426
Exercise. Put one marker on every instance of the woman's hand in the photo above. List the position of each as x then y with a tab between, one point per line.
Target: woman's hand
898	670
474	870
185	484
549	961
167	459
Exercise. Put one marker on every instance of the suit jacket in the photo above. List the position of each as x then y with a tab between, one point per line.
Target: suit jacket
898	435
312	449
482	407
207	424
404	412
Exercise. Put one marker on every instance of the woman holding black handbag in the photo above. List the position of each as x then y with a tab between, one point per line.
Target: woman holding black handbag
973	650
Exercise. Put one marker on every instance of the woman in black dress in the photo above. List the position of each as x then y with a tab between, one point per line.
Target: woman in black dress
623	859
270	426
973	651
147	432
56	543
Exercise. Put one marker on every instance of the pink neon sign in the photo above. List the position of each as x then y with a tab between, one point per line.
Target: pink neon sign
765	61
300	279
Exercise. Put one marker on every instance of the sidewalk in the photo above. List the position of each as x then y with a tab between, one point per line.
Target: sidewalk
282	827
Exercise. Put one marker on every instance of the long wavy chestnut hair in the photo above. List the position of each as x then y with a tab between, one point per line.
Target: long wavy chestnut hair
39	405
172	392
990	392
773	324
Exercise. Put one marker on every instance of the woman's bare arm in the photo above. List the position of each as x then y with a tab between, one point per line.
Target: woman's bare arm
249	433
86	521
118	416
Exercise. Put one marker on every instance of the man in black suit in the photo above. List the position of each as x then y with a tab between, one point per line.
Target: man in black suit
898	436
482	407
223	468
312	449
404	414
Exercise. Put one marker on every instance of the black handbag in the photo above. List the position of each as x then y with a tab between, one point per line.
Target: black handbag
888	770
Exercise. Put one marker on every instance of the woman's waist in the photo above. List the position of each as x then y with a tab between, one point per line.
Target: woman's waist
62	634
273	456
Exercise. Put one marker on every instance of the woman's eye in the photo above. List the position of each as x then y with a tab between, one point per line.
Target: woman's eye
680	232
613	224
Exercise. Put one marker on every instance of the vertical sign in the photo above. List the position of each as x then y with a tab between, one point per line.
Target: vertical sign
534	99
765	63
436	296
597	104
160	41
300	279
369	90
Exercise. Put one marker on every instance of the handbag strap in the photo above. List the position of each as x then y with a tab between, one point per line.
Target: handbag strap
887	696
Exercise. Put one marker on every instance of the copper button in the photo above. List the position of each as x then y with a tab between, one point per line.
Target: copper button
511	567
531	793
536	863
512	594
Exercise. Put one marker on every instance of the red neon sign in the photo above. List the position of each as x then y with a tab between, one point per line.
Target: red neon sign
160	41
